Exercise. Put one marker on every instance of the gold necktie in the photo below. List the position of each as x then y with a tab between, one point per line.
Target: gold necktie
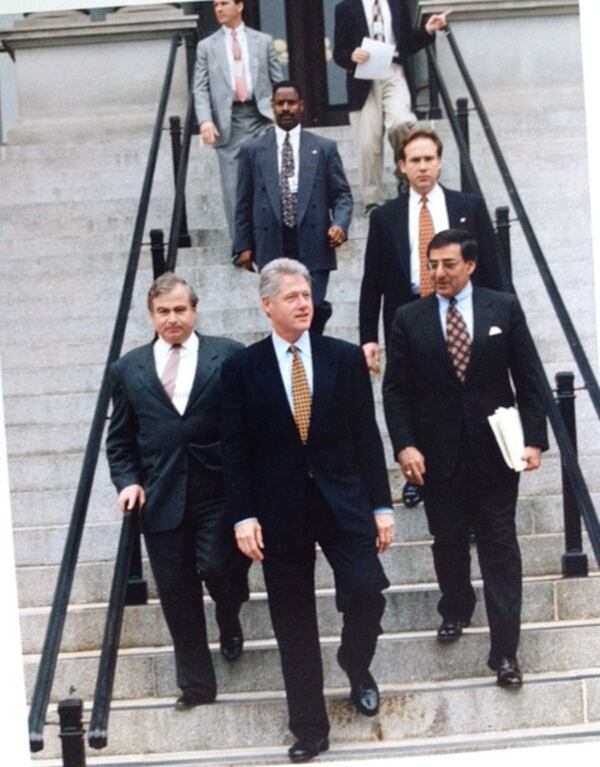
426	233
301	396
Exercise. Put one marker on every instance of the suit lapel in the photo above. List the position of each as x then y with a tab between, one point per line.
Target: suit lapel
220	55
483	315
270	171
148	376
207	366
309	156
433	328
269	379
253	53
324	368
359	14
456	213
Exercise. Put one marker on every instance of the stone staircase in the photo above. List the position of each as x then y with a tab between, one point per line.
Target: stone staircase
66	218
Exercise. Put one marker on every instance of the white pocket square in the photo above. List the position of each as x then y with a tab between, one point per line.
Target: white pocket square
462	220
495	331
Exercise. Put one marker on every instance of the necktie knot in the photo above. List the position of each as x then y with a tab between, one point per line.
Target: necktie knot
453	302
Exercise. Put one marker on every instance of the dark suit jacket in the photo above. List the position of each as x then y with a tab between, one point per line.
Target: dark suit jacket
350	28
150	444
266	464
426	404
324	198
387	257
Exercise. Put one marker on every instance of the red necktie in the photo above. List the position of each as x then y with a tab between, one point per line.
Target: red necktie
241	89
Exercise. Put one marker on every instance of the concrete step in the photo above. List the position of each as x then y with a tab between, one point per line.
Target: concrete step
255	720
409	608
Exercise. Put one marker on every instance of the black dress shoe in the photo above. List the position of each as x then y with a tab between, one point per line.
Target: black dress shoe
232	646
365	696
411	495
305	750
190	699
450	631
509	674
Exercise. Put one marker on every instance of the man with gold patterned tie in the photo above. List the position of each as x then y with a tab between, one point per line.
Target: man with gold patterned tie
454	357
303	464
163	449
377	106
236	68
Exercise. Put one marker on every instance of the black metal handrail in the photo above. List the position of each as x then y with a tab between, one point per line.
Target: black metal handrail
56	621
571	466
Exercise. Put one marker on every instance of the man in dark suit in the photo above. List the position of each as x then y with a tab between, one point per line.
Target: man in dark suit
163	448
304	463
449	361
377	106
398	238
293	198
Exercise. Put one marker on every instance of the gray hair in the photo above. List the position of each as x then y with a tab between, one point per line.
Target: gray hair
165	284
270	277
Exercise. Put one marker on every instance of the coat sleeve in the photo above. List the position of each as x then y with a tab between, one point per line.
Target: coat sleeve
344	38
489	268
526	379
235	443
371	287
338	191
201	85
397	388
367	439
121	443
415	38
275	71
244	203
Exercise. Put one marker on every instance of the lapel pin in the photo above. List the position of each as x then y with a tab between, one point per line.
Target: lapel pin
314	151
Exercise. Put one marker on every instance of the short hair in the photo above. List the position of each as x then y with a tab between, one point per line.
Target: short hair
468	244
165	284
287	84
414	134
270	277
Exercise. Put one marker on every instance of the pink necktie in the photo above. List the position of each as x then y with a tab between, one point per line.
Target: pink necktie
169	374
241	89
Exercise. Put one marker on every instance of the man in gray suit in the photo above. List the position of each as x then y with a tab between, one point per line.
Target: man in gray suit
293	198
235	69
164	452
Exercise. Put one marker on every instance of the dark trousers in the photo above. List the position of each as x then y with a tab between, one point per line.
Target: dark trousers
201	548
289	576
452	508
319	280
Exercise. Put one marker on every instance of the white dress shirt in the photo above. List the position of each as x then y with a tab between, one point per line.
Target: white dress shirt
388	29
186	372
243	41
436	203
464	304
295	142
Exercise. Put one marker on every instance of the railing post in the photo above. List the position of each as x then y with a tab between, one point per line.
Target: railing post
574	561
435	112
137	587
157	249
503	234
190	55
71	732
185	241
462	115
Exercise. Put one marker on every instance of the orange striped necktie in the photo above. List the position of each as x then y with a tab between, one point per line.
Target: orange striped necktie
426	233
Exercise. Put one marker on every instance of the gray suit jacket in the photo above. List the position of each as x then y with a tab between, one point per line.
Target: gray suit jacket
324	198
150	444
213	92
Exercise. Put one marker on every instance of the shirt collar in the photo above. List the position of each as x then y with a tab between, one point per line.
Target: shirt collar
462	295
227	30
281	134
189	345
415	197
281	345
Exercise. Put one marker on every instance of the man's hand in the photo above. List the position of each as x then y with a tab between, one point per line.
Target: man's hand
130	497
359	56
249	539
208	133
245	260
437	22
372	356
336	236
385	530
412	464
532	457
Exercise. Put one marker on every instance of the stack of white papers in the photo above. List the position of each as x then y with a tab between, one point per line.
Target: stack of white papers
508	430
379	65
